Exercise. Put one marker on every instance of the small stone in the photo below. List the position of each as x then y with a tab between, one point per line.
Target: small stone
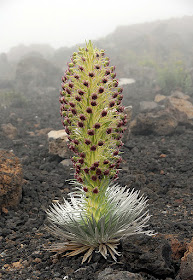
9	131
110	274
159	97
37	260
66	162
160	123
148	253
186	267
58	140
11	180
148	106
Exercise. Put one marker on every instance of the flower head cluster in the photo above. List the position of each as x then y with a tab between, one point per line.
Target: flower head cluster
93	117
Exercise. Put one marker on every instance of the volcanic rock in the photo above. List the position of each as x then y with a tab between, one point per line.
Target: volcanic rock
186	268
9	131
159	123
58	141
11	178
110	274
180	95
147	253
148	106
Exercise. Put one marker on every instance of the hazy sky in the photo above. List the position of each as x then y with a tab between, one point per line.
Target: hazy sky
68	22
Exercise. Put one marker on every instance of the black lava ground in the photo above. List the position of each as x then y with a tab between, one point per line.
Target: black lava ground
161	167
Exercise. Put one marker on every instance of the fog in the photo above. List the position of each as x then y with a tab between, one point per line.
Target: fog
66	23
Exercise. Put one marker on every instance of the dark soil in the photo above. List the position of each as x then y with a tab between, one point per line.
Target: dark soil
161	167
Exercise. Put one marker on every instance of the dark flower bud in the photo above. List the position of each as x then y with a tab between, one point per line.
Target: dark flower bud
77	171
95	190
81	68
71	85
76	76
80	180
63	85
103	113
83	59
74	112
97	125
77	98
85	189
120	97
115	95
98	171
63	79
93	148
93	103
90	132
107	72
72	148
115	153
76	142
68	91
97	55
78	166
89	110
104	80
111	166
80	124
94	96
109	130
120	109
91	74
119	160
87	141
106	172
100	143
81	160
97	67
92	168
86	170
101	89
96	164
83	155
74	159
105	161
111	104
67	130
82	117
85	83
94	177
121	123
81	92
72	104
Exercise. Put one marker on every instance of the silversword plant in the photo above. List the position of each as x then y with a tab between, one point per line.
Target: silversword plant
99	212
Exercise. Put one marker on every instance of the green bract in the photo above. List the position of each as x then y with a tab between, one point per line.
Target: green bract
100	213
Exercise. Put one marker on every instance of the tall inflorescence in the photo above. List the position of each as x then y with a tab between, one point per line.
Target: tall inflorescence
93	118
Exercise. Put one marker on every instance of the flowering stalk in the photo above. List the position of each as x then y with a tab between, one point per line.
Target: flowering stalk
102	212
94	121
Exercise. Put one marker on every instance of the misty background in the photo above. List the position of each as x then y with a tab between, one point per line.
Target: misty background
149	41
